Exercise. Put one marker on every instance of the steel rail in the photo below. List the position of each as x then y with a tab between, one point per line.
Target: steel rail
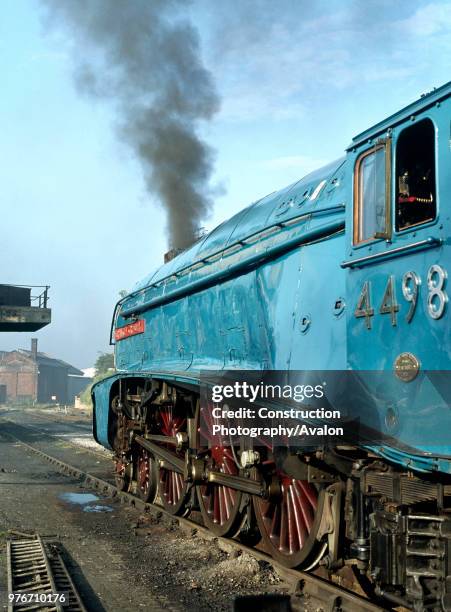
332	598
38	576
101	452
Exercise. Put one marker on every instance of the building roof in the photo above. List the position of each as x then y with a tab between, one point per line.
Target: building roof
44	359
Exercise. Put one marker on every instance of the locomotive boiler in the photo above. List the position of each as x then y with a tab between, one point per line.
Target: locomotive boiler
344	271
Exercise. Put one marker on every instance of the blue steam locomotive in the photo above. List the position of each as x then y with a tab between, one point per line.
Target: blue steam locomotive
343	271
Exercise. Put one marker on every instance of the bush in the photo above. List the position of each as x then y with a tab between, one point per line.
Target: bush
104	366
104	363
85	397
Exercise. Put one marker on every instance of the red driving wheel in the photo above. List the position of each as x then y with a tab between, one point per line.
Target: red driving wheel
171	484
289	521
219	505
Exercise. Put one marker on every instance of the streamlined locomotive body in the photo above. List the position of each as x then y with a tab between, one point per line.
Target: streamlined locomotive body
346	271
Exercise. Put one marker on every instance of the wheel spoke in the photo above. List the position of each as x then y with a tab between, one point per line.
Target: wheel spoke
292	539
283	522
298	519
308	492
300	505
226	503
230	499
229	466
275	523
306	512
173	492
222	505
167	485
216	513
180	485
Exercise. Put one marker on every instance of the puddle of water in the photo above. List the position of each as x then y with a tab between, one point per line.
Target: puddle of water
86	500
97	508
78	498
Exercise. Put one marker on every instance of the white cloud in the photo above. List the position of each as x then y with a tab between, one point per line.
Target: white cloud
427	20
281	68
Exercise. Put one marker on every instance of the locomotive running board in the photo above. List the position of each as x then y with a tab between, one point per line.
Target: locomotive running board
428	243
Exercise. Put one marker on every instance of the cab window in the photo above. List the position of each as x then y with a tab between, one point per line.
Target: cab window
371	193
415	175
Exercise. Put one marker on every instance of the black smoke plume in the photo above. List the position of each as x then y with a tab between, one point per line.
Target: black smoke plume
144	56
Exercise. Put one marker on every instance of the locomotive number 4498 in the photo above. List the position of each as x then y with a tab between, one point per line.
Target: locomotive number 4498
437	297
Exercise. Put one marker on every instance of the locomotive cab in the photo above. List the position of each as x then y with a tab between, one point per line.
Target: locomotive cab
413	174
396	264
396	273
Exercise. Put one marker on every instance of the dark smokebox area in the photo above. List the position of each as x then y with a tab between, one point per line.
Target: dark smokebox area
144	56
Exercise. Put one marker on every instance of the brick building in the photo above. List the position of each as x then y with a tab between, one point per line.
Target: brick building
31	376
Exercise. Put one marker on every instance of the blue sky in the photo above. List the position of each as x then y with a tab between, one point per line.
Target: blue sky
297	80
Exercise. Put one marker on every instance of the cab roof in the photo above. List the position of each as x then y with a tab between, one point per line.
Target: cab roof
424	101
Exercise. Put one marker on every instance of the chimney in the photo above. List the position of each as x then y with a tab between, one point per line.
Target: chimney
169	256
34	349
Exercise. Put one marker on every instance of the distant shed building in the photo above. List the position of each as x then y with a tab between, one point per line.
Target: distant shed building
76	385
31	376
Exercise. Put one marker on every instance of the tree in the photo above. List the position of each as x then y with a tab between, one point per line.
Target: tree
104	363
103	367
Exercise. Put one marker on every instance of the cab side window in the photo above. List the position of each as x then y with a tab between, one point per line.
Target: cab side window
371	193
415	175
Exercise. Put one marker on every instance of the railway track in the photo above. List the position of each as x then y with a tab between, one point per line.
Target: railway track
54	417
63	436
38	578
303	586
